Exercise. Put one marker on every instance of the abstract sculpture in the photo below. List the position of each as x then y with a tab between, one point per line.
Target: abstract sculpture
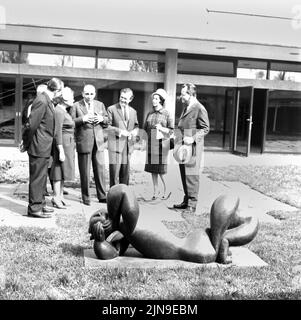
113	231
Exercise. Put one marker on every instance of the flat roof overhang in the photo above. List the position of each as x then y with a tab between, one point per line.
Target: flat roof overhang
116	40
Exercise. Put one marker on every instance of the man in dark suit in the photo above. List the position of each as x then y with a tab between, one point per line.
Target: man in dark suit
90	117
192	127
39	146
122	132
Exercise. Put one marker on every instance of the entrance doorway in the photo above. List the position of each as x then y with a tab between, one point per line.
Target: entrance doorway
249	120
260	107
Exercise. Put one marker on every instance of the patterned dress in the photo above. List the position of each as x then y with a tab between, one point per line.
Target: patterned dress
156	156
63	135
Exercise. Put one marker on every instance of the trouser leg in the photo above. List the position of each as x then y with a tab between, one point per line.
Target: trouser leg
99	172
84	163
114	167
37	183
124	173
183	178
192	183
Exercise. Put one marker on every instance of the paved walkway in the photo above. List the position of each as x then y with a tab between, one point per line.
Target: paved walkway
13	197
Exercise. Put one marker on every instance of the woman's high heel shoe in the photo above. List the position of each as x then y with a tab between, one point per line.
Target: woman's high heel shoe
57	204
166	196
64	203
155	196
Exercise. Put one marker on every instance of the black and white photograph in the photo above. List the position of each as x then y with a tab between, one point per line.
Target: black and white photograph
150	151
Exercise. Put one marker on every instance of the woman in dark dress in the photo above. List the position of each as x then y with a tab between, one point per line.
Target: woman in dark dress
158	126
63	154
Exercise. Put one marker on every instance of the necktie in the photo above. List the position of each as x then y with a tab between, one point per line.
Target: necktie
125	114
89	107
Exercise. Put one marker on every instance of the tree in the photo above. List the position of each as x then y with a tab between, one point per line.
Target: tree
280	75
64	61
260	75
144	66
12	57
103	63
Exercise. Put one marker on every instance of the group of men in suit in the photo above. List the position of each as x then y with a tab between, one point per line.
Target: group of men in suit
91	118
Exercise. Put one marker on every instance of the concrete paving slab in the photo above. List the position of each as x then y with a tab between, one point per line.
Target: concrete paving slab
13	204
251	201
159	211
9	218
241	257
256	203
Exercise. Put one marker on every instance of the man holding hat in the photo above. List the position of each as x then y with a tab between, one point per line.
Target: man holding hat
193	126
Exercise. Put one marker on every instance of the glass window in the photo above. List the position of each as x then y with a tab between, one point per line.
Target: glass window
130	61
8	53
248	69
285	71
7	110
59	56
284	122
206	67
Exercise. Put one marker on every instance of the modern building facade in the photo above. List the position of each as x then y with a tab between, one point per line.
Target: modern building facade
252	92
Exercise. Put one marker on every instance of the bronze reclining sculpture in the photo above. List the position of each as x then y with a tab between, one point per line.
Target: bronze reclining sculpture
120	226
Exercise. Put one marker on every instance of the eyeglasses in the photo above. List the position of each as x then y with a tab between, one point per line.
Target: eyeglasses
89	93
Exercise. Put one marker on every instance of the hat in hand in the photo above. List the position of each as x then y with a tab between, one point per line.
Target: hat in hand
182	153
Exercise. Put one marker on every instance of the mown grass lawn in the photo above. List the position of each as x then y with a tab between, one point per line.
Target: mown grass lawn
48	264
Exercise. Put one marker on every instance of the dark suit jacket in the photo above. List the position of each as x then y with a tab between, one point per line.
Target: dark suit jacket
41	127
194	123
86	133
116	124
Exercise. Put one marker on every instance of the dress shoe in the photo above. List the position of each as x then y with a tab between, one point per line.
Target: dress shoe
47	210
104	200
65	192
87	202
57	204
189	209
39	214
182	205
